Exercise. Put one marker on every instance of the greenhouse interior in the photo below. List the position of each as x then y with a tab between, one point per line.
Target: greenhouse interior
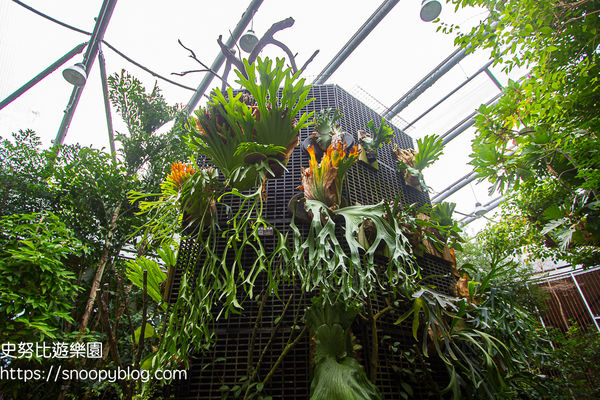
338	201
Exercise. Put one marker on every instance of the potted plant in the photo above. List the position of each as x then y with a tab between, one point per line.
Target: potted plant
326	129
323	180
412	163
252	134
369	142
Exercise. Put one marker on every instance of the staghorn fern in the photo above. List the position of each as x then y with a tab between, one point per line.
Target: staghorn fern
337	375
429	149
323	181
326	126
378	138
223	130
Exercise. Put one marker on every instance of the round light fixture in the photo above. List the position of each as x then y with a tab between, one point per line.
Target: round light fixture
248	41
430	10
479	210
75	74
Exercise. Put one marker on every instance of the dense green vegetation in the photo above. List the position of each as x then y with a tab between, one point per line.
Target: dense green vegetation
540	145
68	217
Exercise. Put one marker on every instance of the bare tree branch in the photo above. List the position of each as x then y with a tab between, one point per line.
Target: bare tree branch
206	67
288	52
268	37
189	72
230	56
309	60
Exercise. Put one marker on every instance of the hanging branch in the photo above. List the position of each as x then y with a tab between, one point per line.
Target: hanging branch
288	52
268	37
206	68
226	74
262	43
309	60
231	58
184	73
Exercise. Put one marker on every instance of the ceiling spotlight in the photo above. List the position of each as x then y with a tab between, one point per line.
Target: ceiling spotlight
430	10
75	74
479	209
248	41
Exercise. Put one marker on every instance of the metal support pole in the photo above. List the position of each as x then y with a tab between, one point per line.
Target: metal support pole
216	65
470	174
355	40
76	50
447	193
594	318
456	89
109	125
465	124
494	79
487	208
431	78
88	61
425	83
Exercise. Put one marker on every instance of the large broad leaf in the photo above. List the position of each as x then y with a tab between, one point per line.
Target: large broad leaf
322	262
148	332
155	276
342	380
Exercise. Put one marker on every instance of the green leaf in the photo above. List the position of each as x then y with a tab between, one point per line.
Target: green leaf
148	332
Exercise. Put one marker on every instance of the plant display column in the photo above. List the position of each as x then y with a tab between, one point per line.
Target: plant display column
302	262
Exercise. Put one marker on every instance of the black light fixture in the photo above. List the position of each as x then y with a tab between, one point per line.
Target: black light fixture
75	74
430	10
479	210
249	40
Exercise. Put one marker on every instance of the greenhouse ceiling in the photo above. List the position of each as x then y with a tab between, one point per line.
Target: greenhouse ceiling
396	55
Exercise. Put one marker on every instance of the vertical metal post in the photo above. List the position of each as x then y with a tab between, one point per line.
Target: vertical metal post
88	61
594	318
109	125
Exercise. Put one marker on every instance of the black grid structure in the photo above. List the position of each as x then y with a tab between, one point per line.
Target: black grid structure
227	364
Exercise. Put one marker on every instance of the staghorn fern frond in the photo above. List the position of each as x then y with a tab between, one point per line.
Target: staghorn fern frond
326	126
429	149
231	121
323	181
378	137
337	376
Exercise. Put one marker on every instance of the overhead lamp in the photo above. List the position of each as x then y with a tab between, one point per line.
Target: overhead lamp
75	74
248	41
479	209
430	10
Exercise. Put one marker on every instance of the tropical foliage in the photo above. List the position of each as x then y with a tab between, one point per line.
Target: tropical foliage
349	259
326	126
412	163
540	141
248	136
370	142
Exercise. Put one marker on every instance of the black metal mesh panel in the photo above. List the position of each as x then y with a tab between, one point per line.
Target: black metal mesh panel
384	183
436	272
227	362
